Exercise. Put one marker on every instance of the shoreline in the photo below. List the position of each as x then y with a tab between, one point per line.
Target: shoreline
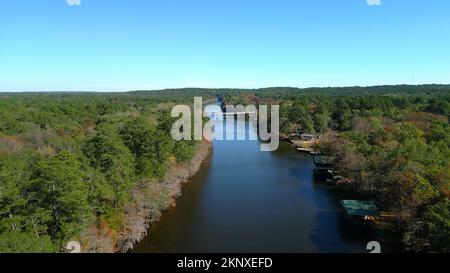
139	215
149	201
176	176
383	227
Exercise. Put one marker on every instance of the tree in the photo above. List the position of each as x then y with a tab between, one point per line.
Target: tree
342	114
321	121
20	242
165	122
285	110
107	153
101	193
183	150
150	147
60	195
438	217
307	124
13	176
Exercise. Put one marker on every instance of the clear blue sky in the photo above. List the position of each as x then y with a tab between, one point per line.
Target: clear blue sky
150	44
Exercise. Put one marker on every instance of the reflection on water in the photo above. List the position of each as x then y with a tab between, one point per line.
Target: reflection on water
245	200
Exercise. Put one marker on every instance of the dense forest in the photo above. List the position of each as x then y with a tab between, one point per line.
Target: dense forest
72	160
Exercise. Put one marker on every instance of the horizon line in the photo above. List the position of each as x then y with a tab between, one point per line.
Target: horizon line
222	88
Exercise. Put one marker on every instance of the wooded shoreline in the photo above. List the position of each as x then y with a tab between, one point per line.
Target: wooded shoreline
139	216
72	164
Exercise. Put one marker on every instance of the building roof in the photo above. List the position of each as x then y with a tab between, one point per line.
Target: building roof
307	135
323	161
360	208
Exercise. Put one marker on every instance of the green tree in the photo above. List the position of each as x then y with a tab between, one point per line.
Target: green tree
13	176
107	153
183	150
342	114
101	194
150	146
321	121
307	124
19	242
60	195
438	217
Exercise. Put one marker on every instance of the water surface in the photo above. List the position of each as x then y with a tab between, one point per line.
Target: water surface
245	200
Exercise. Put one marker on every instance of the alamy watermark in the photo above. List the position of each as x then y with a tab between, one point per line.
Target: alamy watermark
374	247
73	2
214	129
374	2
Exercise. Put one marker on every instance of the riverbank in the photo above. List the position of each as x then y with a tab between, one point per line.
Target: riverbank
226	205
149	200
308	146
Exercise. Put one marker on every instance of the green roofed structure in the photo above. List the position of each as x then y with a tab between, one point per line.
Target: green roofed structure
360	210
323	162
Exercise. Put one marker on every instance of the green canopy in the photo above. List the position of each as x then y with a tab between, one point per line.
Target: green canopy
360	208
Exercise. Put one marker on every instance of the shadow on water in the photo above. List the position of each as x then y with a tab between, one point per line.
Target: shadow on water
157	239
351	238
330	231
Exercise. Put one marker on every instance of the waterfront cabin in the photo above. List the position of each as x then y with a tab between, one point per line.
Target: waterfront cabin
307	137
323	162
298	134
360	212
324	167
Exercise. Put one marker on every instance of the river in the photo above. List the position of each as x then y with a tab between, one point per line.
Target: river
245	200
